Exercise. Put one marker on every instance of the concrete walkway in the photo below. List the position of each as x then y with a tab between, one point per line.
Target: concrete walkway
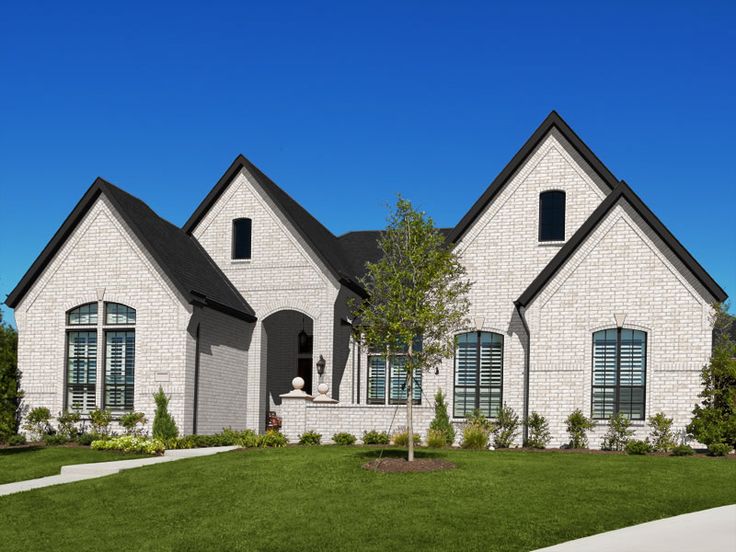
713	529
78	472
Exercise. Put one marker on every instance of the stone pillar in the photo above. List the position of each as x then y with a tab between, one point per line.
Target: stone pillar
294	410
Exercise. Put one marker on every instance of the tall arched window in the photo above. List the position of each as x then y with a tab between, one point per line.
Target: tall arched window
552	216
81	358
242	230
478	374
619	373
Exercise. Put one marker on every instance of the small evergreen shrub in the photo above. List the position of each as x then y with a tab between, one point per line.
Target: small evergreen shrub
638	447
577	428
539	435
130	422
441	422
68	421
661	436
476	432
85	439
344	439
310	438
16	440
505	428
436	438
100	420
37	422
164	426
401	438
374	437
131	444
55	440
272	438
682	450
718	449
618	434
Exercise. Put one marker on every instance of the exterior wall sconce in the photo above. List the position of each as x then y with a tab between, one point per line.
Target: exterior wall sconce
321	365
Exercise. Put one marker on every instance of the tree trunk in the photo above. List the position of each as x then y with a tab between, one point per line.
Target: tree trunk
410	403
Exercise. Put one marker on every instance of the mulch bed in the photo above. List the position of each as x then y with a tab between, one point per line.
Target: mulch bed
399	465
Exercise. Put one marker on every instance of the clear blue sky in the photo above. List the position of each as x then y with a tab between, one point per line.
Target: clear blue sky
345	105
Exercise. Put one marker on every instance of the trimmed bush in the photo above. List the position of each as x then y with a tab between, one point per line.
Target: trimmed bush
662	437
374	437
539	435
401	438
682	450
272	438
86	439
638	447
131	444
310	438
505	428
37	422
577	428
164	426
436	438
476	432
55	440
68	421
15	440
100	420
130	422
441	422
618	433
718	449
344	439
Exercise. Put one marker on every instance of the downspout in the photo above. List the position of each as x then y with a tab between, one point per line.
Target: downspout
527	355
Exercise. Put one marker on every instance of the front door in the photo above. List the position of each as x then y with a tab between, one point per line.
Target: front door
304	371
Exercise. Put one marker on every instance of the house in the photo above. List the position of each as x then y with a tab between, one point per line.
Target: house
581	299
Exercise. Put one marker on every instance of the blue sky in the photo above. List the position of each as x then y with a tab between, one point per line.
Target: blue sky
344	105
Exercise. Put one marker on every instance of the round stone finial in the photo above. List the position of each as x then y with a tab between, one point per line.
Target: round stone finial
323	388
297	383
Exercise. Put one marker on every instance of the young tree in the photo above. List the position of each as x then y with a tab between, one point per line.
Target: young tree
714	420
10	393
417	293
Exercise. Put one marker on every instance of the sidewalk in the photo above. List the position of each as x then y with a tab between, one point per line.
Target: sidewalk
79	472
713	529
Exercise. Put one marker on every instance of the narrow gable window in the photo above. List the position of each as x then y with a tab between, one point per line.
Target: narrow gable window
552	216
242	238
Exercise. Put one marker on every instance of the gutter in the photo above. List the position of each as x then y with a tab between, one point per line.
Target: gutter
527	355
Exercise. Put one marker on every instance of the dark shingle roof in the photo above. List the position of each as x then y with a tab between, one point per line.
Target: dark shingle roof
180	256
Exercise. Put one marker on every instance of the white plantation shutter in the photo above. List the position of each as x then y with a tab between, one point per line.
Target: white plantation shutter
376	379
604	373
119	369
632	373
478	373
81	370
398	384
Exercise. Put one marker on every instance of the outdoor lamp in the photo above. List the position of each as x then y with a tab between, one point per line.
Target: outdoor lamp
303	339
321	365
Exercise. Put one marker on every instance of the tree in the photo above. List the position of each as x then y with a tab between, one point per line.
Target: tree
10	393
441	422
417	297
164	426
714	419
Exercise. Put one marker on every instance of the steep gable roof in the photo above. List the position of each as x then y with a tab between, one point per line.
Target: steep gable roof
180	256
323	242
553	120
625	193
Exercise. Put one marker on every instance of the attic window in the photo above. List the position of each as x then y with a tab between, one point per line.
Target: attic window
552	216
242	238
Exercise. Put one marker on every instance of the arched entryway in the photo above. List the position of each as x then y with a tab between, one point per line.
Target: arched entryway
288	344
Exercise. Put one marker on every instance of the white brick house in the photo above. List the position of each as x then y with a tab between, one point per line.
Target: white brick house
581	299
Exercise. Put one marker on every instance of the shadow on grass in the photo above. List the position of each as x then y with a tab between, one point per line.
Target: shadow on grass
397	453
20	450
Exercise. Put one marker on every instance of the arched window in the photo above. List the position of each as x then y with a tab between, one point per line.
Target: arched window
552	216
83	315
119	358
242	230
619	373
478	374
81	358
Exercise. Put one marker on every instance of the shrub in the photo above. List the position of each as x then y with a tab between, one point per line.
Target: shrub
164	426
246	438
55	440
618	433
476	432
638	447
228	437
132	444
539	436
86	439
344	439
130	422
99	420
37	422
272	438
682	450
401	438
374	437
577	428
718	449
436	438
505	428
441	424
15	440
310	438
662	437
68	421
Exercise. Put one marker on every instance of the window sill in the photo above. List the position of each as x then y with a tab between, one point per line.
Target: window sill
240	261
551	243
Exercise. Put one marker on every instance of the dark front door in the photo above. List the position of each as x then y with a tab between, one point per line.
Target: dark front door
304	371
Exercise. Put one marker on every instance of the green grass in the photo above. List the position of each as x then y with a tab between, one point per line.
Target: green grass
18	464
319	498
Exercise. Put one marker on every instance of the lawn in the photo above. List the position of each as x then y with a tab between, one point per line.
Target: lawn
18	464
320	498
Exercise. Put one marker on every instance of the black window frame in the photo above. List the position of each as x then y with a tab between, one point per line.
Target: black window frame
236	241
545	234
75	329
127	407
388	378
478	386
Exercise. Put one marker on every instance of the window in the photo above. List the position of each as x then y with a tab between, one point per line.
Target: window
83	315
390	374
376	379
119	370
552	216
619	373
81	371
478	374
115	314
242	228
